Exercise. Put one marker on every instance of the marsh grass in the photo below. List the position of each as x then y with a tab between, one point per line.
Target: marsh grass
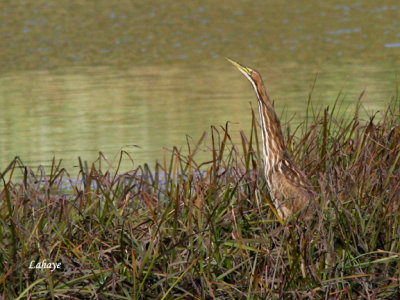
189	229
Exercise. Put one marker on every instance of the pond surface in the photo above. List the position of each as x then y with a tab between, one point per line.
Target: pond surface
88	76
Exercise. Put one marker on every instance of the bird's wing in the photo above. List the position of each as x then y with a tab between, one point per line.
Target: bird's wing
294	176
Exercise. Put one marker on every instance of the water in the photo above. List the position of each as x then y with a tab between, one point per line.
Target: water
79	78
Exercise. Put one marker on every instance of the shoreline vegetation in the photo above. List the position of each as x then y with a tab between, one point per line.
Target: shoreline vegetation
207	229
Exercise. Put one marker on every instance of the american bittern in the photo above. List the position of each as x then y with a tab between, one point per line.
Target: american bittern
289	188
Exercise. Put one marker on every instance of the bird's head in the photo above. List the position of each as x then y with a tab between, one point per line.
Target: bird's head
252	75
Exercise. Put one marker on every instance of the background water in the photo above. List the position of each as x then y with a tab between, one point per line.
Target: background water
79	77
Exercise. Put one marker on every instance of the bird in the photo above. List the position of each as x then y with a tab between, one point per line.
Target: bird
288	186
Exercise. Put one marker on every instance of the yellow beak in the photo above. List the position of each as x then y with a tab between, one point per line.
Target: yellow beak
240	67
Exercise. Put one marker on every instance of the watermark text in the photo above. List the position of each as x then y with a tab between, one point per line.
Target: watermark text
45	265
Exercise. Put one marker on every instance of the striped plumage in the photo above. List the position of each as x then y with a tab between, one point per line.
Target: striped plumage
289	188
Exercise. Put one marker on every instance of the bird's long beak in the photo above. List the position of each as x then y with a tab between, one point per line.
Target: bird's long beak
243	69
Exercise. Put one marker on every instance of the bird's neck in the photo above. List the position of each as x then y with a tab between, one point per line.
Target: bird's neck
273	142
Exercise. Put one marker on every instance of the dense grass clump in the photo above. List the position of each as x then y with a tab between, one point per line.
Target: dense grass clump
206	229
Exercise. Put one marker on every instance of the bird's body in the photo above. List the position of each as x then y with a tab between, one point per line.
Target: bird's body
289	188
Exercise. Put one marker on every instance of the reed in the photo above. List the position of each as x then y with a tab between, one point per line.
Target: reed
206	229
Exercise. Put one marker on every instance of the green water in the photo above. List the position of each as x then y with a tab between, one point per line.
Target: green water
79	77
